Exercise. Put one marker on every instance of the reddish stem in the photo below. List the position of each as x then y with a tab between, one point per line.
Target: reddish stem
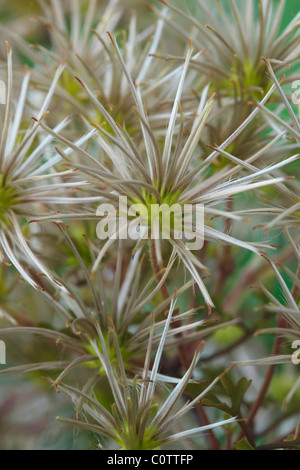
182	351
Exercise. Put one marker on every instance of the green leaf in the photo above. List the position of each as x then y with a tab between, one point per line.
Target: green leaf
243	444
236	392
218	404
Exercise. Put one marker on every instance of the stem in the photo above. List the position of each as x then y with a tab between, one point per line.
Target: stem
229	440
274	424
203	416
279	445
182	351
267	381
276	350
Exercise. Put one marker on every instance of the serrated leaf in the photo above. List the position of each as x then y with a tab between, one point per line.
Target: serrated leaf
236	392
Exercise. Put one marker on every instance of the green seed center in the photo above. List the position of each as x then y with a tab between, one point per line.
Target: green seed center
7	197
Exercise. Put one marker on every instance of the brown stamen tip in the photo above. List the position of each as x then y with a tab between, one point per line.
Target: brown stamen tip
150	7
255	287
262	253
94	318
81	83
265	60
46	379
266	258
212	147
59	224
111	38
